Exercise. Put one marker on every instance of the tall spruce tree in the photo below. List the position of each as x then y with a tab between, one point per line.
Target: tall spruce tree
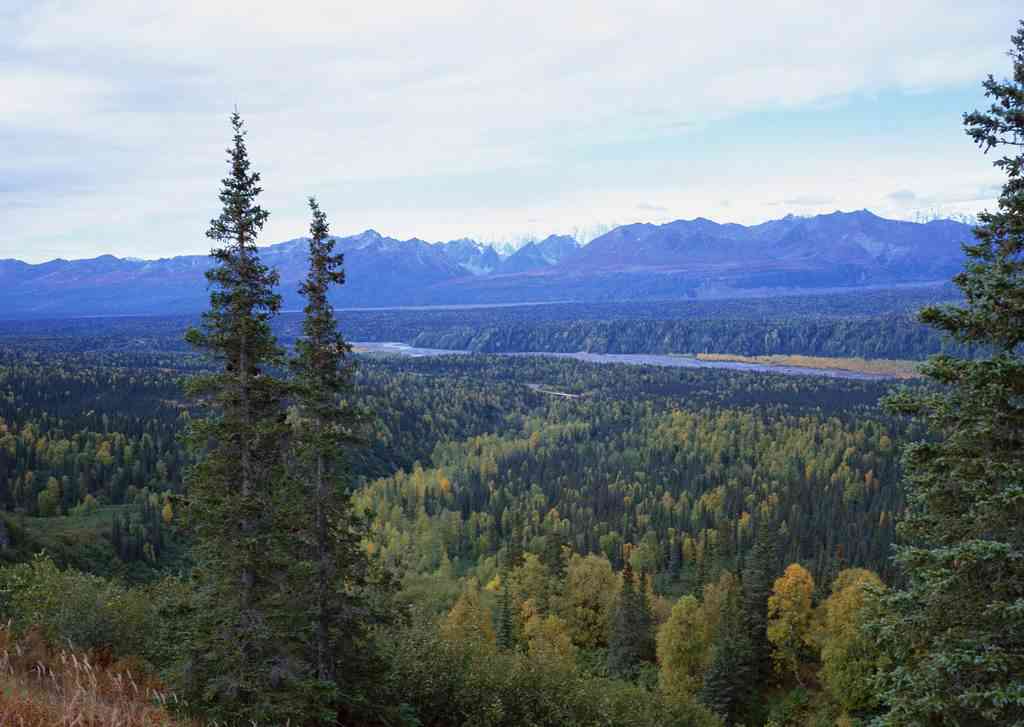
648	644
552	556
728	682
758	577
954	636
236	659
631	640
505	630
332	570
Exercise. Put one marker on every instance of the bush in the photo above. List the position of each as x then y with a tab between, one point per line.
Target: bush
802	707
452	683
91	613
87	506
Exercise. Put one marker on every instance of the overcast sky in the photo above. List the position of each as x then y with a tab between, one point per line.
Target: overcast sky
495	121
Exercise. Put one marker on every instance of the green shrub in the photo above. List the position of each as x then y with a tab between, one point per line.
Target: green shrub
457	683
791	708
90	612
87	506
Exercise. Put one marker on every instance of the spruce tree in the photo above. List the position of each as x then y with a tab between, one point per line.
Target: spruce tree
954	636
235	656
727	681
331	568
622	651
632	631
505	630
675	557
552	557
730	677
647	646
758	577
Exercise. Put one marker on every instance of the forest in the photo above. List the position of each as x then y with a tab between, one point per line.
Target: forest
867	324
237	519
477	472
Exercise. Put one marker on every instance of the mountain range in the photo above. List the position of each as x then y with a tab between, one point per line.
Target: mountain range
683	259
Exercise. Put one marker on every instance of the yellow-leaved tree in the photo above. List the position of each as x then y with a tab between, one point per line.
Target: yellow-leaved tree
469	621
591	590
683	649
848	659
790	618
548	640
530	581
716	596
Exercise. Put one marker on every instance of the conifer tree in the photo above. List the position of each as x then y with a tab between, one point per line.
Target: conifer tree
622	657
331	569
954	636
322	375
729	678
675	557
505	632
758	577
646	637
632	633
237	662
515	549
552	557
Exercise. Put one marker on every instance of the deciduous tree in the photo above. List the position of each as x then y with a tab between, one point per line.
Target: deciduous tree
848	658
790	618
683	650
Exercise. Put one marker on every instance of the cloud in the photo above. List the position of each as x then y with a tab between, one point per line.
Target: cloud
428	116
806	200
902	196
649	207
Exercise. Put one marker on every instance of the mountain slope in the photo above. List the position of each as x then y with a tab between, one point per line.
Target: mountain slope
546	253
859	239
685	258
472	256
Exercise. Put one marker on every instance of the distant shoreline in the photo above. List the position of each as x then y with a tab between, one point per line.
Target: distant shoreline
895	368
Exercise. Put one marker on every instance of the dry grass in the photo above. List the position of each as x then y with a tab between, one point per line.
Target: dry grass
43	687
893	368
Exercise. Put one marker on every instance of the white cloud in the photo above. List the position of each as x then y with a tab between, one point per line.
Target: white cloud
130	100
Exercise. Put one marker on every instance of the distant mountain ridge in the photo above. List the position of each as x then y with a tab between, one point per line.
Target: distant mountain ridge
685	258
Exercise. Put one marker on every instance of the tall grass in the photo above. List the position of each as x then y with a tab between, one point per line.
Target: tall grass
44	687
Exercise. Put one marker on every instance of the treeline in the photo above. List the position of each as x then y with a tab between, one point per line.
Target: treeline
890	337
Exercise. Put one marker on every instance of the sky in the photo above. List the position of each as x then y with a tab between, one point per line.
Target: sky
495	121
